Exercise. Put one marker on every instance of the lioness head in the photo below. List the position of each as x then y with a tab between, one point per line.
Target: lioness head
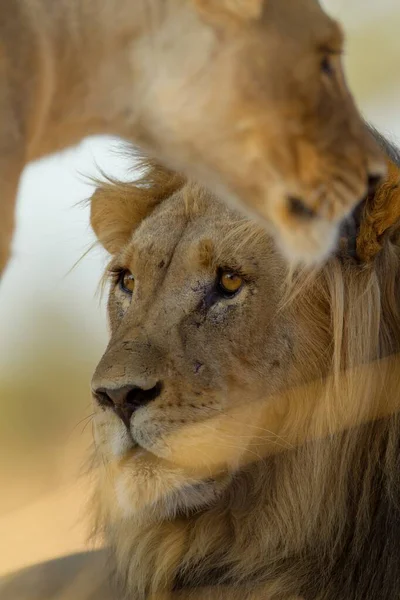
195	331
259	85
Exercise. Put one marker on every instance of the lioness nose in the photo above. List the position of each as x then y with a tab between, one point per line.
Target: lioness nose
127	399
373	183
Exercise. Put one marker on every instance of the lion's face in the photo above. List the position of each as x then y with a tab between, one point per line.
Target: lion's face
195	331
267	94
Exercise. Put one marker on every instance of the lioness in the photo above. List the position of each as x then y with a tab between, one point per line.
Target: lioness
248	96
246	427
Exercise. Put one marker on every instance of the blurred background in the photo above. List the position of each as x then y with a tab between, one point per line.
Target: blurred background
53	322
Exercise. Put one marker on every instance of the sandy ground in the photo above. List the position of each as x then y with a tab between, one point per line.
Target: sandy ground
43	506
51	526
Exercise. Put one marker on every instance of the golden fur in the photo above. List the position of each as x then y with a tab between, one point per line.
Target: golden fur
234	93
267	467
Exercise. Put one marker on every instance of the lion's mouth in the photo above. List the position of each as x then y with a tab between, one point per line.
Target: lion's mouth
122	442
132	441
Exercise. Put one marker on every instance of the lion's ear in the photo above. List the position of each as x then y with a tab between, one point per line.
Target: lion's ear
118	208
219	12
115	212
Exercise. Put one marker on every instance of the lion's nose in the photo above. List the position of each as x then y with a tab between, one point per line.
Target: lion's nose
127	399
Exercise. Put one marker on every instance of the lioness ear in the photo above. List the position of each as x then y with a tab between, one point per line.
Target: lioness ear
218	12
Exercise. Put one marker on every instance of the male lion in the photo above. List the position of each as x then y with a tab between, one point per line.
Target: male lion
247	96
246	427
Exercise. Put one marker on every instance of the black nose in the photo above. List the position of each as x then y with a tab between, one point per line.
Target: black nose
298	208
374	182
125	400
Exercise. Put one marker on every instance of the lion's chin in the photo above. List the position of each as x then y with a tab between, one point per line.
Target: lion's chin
147	487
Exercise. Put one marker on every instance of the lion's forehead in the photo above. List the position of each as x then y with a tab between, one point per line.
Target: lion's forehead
175	256
181	238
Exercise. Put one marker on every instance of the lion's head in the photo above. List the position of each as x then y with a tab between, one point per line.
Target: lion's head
194	319
222	371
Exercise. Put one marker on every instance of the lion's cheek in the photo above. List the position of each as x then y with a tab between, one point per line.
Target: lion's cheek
212	443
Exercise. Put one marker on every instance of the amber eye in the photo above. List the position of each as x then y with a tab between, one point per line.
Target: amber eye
127	281
229	282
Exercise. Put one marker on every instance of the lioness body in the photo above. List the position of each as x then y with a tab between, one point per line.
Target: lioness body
234	93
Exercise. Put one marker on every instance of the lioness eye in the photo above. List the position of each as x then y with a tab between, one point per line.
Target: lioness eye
127	281
327	66
229	282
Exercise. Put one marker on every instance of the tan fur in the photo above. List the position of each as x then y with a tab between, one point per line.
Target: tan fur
245	461
232	92
300	379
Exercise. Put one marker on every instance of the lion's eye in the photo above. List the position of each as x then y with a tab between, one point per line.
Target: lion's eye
229	282
127	281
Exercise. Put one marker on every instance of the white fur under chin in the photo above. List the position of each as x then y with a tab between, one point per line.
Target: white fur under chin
149	493
148	484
